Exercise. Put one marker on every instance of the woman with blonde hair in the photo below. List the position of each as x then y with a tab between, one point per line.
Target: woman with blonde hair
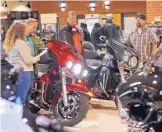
20	56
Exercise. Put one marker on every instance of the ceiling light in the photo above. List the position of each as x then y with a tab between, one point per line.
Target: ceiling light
63	5
107	4
5	4
28	4
92	5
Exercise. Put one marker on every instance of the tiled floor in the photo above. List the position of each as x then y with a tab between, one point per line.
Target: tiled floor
102	117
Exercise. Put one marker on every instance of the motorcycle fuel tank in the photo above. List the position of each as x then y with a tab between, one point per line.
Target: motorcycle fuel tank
142	86
64	52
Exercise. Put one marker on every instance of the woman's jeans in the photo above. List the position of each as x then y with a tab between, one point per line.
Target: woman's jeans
30	89
23	86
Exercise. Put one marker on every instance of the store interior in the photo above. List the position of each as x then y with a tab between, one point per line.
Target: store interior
85	68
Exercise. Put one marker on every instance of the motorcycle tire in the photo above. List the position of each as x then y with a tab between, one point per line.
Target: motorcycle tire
81	115
34	109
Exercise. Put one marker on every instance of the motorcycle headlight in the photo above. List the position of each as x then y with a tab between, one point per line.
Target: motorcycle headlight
69	64
133	61
77	69
85	73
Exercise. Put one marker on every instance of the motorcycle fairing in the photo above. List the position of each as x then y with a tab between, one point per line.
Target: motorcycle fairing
64	53
139	85
120	47
45	80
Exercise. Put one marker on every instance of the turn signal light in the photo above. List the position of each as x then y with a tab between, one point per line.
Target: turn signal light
121	65
150	68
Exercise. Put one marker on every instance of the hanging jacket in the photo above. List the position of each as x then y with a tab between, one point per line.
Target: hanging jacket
95	35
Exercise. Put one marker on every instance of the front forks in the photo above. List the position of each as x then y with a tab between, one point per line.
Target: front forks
64	88
121	70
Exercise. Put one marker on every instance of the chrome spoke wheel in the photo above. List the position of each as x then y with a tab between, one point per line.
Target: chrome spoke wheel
73	108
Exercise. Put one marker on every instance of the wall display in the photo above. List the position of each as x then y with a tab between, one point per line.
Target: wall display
24	15
35	14
13	14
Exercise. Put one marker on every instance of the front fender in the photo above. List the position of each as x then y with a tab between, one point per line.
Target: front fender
75	88
79	88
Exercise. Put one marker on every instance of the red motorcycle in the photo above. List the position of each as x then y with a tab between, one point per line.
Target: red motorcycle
58	88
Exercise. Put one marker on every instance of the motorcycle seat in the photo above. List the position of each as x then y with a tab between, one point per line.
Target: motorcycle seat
89	51
93	65
88	45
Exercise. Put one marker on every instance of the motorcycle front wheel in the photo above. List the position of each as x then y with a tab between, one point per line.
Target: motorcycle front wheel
76	110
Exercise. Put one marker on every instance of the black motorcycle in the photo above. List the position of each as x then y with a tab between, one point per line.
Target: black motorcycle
140	99
105	73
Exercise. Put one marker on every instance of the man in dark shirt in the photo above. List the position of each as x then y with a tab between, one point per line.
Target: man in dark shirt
72	29
87	36
110	30
95	34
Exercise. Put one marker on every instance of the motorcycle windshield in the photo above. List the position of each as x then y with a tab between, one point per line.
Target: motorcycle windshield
66	37
120	49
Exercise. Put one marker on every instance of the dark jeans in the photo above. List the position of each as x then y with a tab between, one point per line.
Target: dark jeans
30	89
23	86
